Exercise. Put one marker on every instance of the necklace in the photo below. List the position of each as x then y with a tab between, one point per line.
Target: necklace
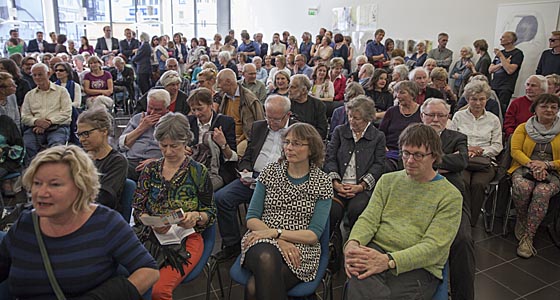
541	151
401	110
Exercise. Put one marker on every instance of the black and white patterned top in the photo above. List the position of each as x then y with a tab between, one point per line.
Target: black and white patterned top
290	207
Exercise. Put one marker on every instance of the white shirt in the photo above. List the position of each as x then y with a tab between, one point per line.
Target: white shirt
350	173
485	132
271	149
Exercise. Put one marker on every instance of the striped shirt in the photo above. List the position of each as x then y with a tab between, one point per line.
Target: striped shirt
81	260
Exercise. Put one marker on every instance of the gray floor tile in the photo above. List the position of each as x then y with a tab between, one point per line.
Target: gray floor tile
500	247
548	293
485	260
514	279
488	289
539	268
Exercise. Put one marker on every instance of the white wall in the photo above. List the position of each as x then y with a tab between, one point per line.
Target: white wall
463	21
400	19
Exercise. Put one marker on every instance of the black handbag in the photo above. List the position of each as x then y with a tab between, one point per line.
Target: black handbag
165	255
479	164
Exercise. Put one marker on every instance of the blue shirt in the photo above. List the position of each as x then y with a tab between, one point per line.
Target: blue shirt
250	47
305	49
307	71
374	48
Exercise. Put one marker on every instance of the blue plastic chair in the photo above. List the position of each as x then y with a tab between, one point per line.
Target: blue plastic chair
126	199
304	289
209	236
442	289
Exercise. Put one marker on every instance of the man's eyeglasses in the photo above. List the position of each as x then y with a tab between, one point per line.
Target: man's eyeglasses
85	133
296	144
275	120
417	155
433	116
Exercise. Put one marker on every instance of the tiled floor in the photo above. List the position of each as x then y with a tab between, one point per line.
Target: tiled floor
500	274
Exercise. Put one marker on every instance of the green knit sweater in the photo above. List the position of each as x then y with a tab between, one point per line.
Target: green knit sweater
414	221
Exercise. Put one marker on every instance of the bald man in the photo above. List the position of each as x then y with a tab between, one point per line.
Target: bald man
251	83
240	104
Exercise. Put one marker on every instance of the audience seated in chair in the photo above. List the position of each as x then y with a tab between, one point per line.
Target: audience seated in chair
123	81
45	114
262	149
305	107
286	217
94	128
519	109
355	160
339	116
409	266
171	82
172	182
111	240
12	150
221	128
137	140
435	113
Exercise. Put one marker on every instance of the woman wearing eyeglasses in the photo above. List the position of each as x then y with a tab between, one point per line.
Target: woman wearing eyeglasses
535	149
484	132
94	128
286	217
63	73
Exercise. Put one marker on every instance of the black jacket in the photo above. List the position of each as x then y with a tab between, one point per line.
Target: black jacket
127	81
452	142
369	151
125	49
102	45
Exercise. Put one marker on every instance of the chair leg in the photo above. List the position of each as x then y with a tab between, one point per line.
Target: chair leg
494	204
229	290
506	216
220	280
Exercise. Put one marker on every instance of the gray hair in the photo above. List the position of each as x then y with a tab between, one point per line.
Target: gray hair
279	100
79	57
412	73
97	117
362	58
173	126
209	65
159	95
257	58
118	59
170	60
402	70
542	80
302	80
368	69
435	101
480	77
353	89
145	37
224	55
470	53
40	65
475	87
205	57
409	86
364	105
249	65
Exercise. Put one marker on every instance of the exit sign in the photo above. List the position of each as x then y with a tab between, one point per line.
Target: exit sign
312	12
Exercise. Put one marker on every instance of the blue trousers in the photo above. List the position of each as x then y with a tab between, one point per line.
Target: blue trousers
34	141
227	200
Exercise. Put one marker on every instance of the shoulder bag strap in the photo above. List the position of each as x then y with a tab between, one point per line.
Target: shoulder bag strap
46	262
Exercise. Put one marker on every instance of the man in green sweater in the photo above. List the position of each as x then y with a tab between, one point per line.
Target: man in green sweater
400	243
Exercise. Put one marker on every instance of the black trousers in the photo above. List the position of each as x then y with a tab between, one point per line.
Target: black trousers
462	262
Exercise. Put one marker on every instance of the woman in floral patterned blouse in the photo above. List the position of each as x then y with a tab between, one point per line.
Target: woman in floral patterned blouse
175	182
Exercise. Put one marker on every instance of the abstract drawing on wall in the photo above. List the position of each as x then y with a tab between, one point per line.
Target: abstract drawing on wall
367	17
342	20
533	23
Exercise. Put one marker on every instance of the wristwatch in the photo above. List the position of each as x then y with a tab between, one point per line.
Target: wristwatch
223	147
391	264
279	231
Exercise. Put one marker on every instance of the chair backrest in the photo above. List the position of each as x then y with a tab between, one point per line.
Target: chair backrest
209	237
126	199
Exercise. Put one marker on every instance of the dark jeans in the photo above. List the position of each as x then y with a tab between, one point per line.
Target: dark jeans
505	97
33	142
144	82
475	184
415	284
227	200
353	207
462	262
